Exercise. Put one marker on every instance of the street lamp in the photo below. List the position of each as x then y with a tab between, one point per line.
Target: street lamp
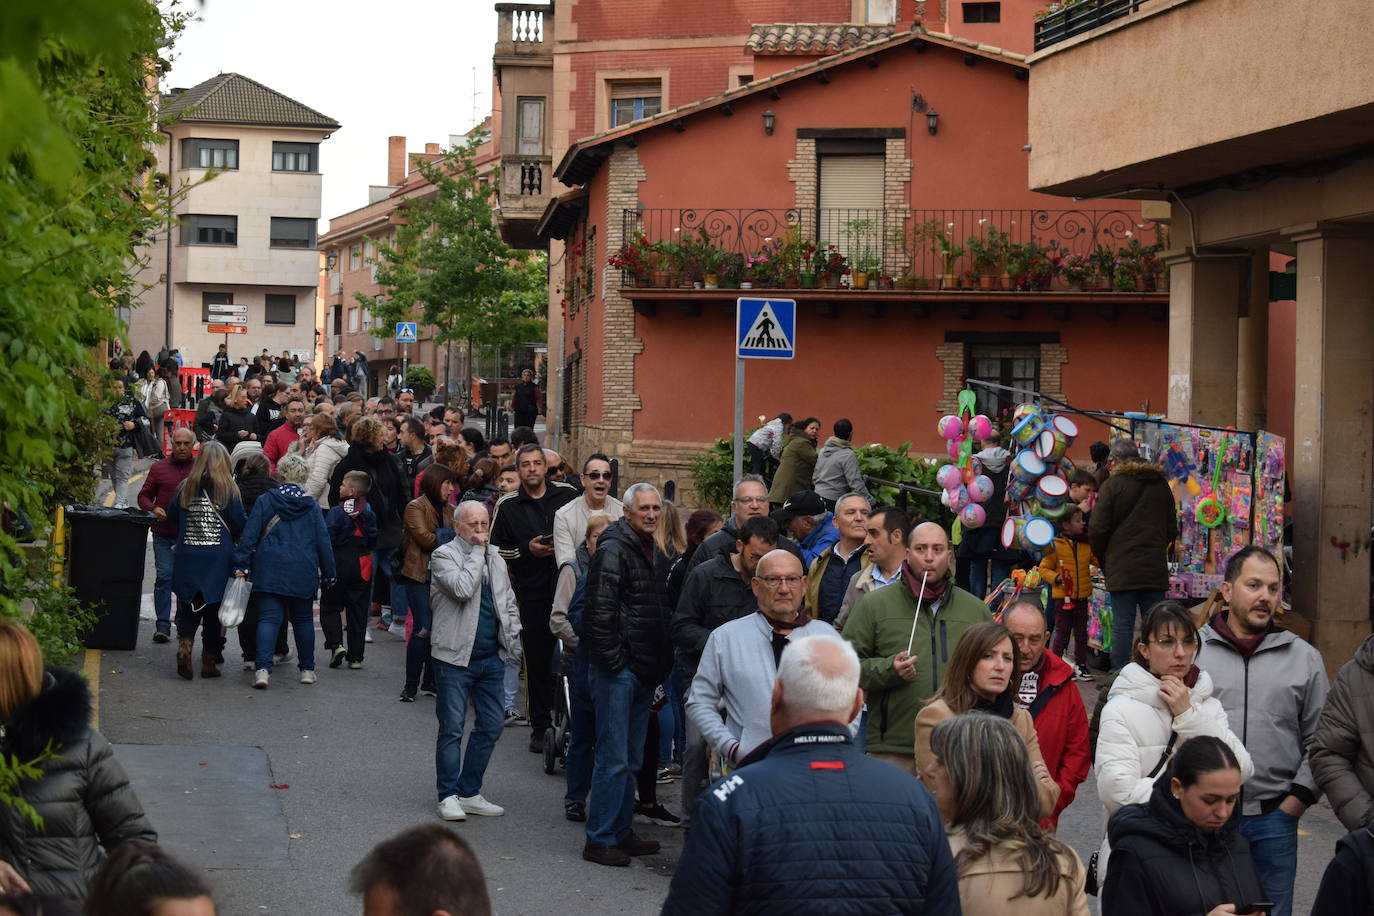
331	259
768	119
933	121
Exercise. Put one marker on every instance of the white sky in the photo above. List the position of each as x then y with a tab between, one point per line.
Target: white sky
399	67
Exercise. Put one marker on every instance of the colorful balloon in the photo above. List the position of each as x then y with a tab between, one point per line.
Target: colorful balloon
973	516
982	488
948	477
950	427
980	427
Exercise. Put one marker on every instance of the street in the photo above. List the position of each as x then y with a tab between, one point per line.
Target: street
278	793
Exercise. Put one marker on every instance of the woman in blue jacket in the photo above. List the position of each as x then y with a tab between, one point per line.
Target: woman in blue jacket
285	551
208	513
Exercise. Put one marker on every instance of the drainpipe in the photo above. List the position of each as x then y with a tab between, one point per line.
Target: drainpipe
167	277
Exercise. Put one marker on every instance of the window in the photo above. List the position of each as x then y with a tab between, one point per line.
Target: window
281	308
209	154
982	12
355	257
634	99
209	299
744	79
883	11
292	232
353	319
295	157
851	203
530	141
207	229
1013	366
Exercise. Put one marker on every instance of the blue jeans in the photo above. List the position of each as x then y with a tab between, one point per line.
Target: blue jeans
978	575
457	773
416	597
394	593
1124	608
271	609
1274	847
581	737
512	684
162	583
621	702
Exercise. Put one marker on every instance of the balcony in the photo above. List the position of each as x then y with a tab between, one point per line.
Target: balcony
523	30
525	187
1079	16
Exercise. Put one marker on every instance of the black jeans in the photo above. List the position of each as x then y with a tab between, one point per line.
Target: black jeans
350	600
538	642
204	617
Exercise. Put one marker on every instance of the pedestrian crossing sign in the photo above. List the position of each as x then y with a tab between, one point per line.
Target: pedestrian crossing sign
765	328
407	332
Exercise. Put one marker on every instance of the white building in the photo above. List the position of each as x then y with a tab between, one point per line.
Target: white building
246	237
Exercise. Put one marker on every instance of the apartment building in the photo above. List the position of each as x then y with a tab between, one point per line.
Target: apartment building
240	265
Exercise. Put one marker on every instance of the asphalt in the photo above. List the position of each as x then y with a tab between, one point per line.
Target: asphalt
278	793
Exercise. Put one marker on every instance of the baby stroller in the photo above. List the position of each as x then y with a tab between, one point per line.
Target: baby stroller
556	735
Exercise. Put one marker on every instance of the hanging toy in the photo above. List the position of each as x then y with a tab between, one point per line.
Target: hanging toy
963	488
1211	511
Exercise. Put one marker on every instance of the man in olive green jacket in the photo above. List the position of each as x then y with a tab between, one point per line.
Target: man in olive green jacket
898	682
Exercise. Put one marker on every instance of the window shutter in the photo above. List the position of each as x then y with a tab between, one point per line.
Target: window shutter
851	188
632	89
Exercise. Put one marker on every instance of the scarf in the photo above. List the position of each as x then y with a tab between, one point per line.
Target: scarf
781	631
1246	646
935	588
1000	705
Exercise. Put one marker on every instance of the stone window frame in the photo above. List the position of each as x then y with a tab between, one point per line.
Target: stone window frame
803	170
603	81
953	355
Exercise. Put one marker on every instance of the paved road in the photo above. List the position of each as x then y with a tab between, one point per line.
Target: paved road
279	792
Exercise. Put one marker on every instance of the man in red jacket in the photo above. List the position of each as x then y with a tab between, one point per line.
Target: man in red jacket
158	488
281	438
1046	688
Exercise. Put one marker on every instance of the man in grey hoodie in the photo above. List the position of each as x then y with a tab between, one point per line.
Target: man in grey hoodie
837	468
982	546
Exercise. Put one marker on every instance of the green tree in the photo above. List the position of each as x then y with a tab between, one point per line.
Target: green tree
78	195
448	267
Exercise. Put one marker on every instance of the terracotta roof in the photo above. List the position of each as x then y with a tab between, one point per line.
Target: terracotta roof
584	157
813	37
231	98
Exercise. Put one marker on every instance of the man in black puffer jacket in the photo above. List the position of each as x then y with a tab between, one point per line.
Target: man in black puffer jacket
808	824
625	628
84	798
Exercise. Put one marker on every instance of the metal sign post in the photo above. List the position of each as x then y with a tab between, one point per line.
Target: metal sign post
764	329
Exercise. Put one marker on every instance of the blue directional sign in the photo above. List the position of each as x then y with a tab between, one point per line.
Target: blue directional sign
766	328
407	332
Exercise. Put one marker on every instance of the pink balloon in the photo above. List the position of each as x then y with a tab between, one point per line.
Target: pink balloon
953	448
980	427
973	516
959	498
982	488
948	477
950	427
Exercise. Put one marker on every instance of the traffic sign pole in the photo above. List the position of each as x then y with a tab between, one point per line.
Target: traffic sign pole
739	420
764	329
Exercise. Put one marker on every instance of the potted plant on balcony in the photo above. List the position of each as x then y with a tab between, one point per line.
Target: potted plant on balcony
673	259
1080	270
988	255
793	254
634	259
1106	267
763	269
812	261
864	268
950	251
732	271
833	266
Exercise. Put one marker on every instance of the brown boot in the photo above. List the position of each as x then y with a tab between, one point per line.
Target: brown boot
184	658
208	666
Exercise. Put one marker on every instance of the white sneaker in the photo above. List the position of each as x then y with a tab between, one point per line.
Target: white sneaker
248	665
308	676
261	678
451	809
367	635
283	658
398	629
478	805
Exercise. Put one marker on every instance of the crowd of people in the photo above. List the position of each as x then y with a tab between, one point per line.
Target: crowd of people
808	667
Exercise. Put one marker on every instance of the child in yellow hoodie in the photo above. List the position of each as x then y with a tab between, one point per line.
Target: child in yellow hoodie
1067	570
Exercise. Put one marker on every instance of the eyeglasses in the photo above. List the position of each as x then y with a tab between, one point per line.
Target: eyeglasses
1169	644
751	500
598	475
776	582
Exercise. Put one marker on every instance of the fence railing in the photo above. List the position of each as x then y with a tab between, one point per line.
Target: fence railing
521	26
1075	18
898	243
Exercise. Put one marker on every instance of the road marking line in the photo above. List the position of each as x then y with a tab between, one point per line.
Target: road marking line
133	482
91	666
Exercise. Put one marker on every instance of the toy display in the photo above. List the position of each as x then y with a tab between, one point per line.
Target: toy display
964	491
1039	483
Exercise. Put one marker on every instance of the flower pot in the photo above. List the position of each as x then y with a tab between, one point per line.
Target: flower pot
696	284
832	281
712	281
949	281
859	280
807	281
885	283
642	279
1007	282
660	279
987	281
1088	285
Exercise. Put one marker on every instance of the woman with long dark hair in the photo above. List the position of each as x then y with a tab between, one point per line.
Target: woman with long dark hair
979	679
1181	851
425	516
980	774
208	512
139	879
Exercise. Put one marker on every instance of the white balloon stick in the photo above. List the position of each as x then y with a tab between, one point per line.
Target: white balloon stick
912	640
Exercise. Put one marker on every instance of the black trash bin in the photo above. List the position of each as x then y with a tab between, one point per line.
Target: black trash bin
105	556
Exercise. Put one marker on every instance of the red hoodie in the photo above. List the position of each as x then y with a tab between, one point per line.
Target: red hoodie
1061	724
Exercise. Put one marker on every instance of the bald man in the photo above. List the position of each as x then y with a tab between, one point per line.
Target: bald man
901	667
740	661
156	494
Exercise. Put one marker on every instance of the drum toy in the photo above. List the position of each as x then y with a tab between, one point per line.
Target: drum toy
1037	535
1051	491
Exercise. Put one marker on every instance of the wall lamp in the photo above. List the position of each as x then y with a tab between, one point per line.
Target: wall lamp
768	120
331	260
918	103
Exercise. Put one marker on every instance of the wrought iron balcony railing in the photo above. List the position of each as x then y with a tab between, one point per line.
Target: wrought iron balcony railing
1075	18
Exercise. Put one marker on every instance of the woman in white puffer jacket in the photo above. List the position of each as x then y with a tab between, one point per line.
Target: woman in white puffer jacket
1160	694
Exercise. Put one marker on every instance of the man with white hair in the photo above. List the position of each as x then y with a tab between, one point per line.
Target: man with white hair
740	661
810	798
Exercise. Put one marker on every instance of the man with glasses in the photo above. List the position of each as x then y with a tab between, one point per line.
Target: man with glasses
1046	688
903	656
740	661
570	522
750	501
386	409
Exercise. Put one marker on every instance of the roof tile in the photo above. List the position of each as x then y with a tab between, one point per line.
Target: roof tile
231	98
813	37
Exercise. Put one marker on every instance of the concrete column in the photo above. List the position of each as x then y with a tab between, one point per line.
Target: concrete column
1333	436
1204	312
1252	350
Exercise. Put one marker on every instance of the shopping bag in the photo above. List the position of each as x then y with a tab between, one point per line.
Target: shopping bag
235	601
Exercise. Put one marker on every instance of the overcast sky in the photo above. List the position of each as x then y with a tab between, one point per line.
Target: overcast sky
403	67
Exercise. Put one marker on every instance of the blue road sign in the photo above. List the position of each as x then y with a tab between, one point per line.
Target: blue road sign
407	332
766	328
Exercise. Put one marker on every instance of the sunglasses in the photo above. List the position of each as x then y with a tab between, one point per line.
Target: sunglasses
598	475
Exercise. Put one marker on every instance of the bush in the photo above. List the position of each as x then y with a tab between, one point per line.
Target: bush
420	377
51	612
877	460
713	475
